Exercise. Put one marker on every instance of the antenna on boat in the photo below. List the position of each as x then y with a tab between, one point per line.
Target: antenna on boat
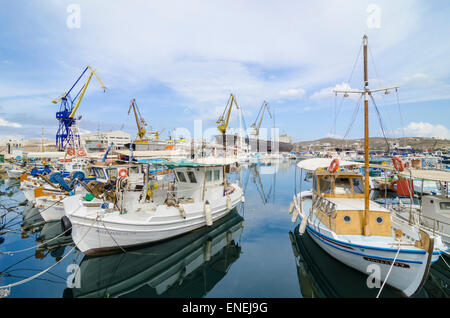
366	92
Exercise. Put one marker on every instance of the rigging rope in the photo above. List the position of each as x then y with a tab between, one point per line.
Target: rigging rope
355	114
381	122
382	83
337	112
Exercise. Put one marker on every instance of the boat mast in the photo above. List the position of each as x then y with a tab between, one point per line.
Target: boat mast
366	92
366	137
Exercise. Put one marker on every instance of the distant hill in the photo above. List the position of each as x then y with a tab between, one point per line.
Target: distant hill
376	143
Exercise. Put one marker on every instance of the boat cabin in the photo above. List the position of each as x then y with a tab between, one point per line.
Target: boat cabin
339	203
436	214
106	171
190	181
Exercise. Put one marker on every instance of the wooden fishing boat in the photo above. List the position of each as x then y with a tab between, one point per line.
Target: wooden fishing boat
338	214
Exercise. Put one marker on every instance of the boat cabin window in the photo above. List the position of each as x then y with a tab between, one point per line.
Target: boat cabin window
444	205
111	173
134	169
342	186
216	174
191	177
181	176
358	186
325	185
99	173
208	175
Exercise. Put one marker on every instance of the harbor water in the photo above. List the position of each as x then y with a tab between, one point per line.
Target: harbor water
254	251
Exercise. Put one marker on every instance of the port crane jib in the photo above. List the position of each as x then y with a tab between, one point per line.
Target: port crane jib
262	109
67	134
140	122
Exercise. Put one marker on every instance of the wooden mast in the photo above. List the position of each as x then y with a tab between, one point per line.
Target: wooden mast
366	92
366	138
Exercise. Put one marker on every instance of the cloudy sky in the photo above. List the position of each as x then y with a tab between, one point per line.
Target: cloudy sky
180	60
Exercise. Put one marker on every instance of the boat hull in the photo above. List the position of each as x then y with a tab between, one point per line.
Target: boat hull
94	234
407	275
14	174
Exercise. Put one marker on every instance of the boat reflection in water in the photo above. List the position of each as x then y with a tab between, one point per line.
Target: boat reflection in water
320	275
187	266
49	236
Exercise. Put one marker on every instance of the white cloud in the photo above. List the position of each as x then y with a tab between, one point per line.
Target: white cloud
423	129
292	93
326	93
5	123
195	50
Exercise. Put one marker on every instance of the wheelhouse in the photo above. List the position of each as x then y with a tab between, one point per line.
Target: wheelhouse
338	201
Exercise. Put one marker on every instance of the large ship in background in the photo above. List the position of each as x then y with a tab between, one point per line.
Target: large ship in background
282	144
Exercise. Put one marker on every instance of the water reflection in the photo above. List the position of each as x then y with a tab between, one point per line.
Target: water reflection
187	266
320	275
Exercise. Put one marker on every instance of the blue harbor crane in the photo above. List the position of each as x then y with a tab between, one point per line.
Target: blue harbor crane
66	134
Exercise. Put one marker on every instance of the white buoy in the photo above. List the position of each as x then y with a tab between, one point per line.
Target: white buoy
302	227
207	251
291	207
294	216
229	205
229	237
242	199
182	212
208	216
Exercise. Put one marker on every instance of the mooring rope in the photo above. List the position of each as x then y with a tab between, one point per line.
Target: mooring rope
121	248
443	258
4	290
389	272
11	253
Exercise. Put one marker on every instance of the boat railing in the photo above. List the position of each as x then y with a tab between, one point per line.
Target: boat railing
326	206
437	227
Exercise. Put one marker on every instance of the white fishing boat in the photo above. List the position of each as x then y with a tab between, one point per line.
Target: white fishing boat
14	173
156	210
50	201
433	213
338	214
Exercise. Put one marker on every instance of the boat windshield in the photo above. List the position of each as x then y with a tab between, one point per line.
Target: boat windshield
358	186
325	185
99	173
444	205
342	186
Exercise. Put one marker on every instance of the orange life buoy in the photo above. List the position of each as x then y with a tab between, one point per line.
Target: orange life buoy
122	173
398	163
334	165
81	152
70	151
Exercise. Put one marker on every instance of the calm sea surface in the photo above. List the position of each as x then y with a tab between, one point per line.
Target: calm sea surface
252	252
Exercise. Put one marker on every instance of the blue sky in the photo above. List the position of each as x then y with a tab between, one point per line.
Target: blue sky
181	59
